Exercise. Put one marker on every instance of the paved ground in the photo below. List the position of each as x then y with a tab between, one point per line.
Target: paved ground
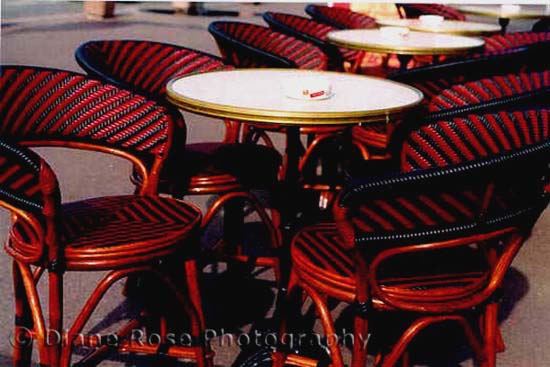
47	33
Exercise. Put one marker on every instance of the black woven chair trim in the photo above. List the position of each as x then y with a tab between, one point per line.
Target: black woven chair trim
510	101
270	58
404	182
278	26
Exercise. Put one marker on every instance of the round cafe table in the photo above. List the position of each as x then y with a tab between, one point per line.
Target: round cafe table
256	95
456	27
504	14
405	47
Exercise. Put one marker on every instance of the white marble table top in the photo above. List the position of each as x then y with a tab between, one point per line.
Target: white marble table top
447	26
415	43
257	95
523	12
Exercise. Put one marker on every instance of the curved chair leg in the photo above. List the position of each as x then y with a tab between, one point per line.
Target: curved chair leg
55	308
490	332
420	324
89	307
191	277
202	354
22	338
36	312
274	234
360	336
253	134
328	324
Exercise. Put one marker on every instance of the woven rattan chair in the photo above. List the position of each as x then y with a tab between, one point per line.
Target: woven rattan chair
340	17
433	79
315	33
490	94
416	10
121	235
510	42
433	239
228	168
248	45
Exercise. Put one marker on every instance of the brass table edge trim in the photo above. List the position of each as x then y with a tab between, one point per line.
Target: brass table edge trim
288	117
404	50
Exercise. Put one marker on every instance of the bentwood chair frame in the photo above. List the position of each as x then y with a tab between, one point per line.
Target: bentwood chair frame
311	35
56	108
164	62
511	91
433	79
339	17
415	10
347	260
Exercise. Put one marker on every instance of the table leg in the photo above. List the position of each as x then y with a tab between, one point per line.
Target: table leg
403	61
503	22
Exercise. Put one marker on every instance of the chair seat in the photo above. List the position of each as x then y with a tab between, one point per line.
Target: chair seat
120	231
248	165
209	168
319	257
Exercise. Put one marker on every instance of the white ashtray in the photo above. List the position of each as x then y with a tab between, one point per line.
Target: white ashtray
431	20
394	32
510	9
306	88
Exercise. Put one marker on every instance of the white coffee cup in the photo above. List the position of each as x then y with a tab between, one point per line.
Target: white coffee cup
510	9
431	20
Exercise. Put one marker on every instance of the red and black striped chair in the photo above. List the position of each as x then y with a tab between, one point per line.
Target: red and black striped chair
228	168
250	45
516	41
120	235
489	94
433	239
433	79
315	33
416	10
340	17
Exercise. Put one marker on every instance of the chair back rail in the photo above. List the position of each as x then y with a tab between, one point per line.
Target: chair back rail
307	30
433	79
29	190
340	17
249	45
416	10
49	107
491	94
144	67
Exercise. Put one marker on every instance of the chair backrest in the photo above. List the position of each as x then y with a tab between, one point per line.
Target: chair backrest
143	67
49	107
458	178
502	43
490	94
433	79
307	30
29	190
340	17
250	45
416	10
